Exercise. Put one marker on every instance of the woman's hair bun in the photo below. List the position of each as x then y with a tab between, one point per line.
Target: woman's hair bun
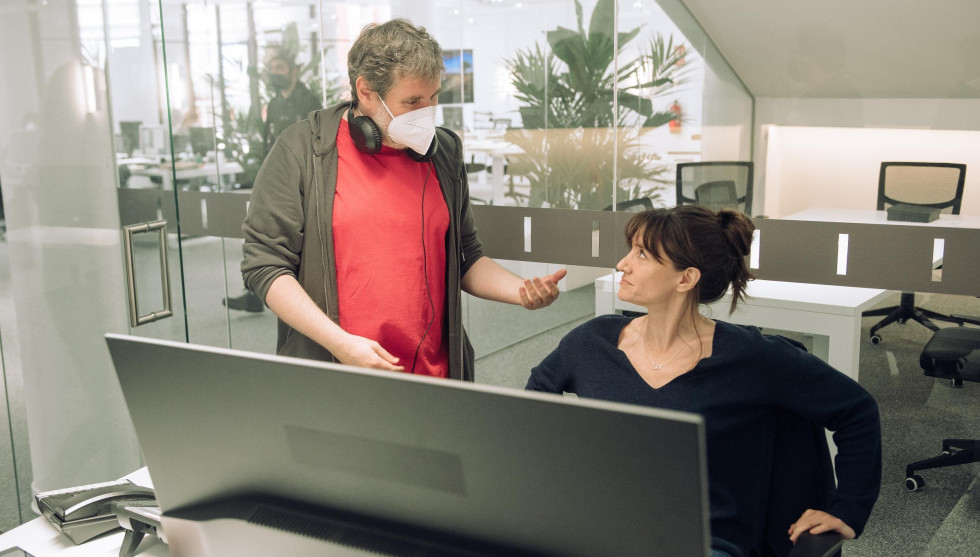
738	230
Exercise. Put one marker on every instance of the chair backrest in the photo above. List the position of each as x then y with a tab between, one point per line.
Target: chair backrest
928	184
637	205
802	478
482	120
692	175
717	195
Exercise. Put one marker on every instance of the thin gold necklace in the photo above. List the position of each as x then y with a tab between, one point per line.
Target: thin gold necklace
656	366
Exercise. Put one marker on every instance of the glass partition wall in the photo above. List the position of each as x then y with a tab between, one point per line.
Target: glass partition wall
130	143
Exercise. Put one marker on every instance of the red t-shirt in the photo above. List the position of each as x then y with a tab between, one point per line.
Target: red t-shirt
381	264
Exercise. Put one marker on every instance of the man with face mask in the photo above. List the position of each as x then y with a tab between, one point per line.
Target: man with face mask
359	234
291	100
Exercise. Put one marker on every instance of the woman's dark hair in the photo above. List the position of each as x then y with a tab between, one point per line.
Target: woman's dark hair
693	236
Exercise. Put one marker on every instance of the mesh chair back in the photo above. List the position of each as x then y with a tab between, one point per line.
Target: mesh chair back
637	205
691	175
929	184
717	195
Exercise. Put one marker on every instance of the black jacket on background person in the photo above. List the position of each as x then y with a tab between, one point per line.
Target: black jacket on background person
284	112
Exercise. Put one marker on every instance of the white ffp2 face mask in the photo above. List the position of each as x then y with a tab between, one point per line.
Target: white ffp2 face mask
414	129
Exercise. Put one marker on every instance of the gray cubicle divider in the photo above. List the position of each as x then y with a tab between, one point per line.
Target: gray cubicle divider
887	256
218	214
138	205
568	237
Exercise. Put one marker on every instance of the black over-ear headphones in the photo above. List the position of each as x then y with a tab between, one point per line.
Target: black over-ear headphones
367	137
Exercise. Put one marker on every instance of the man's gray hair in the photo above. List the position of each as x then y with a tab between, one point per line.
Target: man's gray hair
397	48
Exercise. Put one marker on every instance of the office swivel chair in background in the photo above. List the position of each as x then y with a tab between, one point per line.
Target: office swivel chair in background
924	184
716	184
637	205
202	140
952	353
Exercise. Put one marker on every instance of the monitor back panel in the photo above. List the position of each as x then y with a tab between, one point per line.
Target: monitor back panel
552	474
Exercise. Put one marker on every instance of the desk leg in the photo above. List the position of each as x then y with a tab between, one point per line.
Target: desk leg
821	347
845	346
603	302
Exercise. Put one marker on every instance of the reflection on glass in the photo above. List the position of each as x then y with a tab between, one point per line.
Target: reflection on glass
587	101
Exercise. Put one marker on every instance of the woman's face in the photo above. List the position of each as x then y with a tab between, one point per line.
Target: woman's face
647	281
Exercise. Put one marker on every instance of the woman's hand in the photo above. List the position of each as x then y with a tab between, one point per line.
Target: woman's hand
818	522
539	292
364	352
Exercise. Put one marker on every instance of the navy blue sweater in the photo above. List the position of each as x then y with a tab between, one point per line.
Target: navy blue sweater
738	390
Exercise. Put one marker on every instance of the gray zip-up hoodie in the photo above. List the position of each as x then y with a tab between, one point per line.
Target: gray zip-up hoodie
289	229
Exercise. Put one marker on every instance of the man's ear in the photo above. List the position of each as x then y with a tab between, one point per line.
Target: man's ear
689	279
366	97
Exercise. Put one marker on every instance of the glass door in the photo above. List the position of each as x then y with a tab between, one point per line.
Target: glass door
239	73
85	173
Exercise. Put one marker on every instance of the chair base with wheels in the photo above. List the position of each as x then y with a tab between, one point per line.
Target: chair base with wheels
951	353
904	311
955	451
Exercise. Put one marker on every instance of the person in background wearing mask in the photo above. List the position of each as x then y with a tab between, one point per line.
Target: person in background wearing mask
291	102
359	233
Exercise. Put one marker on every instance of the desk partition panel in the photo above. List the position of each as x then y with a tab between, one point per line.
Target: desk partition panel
888	256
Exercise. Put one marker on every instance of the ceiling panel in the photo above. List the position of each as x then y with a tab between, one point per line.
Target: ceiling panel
848	49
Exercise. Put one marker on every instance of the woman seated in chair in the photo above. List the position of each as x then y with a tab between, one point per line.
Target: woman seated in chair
734	376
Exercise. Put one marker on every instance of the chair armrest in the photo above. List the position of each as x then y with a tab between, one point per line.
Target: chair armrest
827	544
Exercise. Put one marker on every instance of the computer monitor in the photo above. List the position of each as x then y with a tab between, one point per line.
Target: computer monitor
130	132
452	118
315	448
202	140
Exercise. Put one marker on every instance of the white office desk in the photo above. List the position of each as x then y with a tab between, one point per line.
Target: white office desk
498	150
226	169
831	313
40	538
870	216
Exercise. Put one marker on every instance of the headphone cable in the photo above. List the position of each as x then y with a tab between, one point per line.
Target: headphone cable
425	273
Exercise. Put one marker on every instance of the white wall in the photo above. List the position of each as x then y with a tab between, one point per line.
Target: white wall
838	167
827	152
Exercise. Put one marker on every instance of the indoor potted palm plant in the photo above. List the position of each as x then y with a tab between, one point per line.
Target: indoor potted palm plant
583	116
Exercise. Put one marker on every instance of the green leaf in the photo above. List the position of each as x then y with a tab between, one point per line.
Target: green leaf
638	104
658	119
603	19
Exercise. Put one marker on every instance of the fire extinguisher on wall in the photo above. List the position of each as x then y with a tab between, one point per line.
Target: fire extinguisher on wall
675	124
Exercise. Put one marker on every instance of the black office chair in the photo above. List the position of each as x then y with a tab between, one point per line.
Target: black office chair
802	478
715	177
925	184
952	353
717	195
637	205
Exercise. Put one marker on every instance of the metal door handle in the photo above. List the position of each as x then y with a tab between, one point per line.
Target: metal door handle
135	319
